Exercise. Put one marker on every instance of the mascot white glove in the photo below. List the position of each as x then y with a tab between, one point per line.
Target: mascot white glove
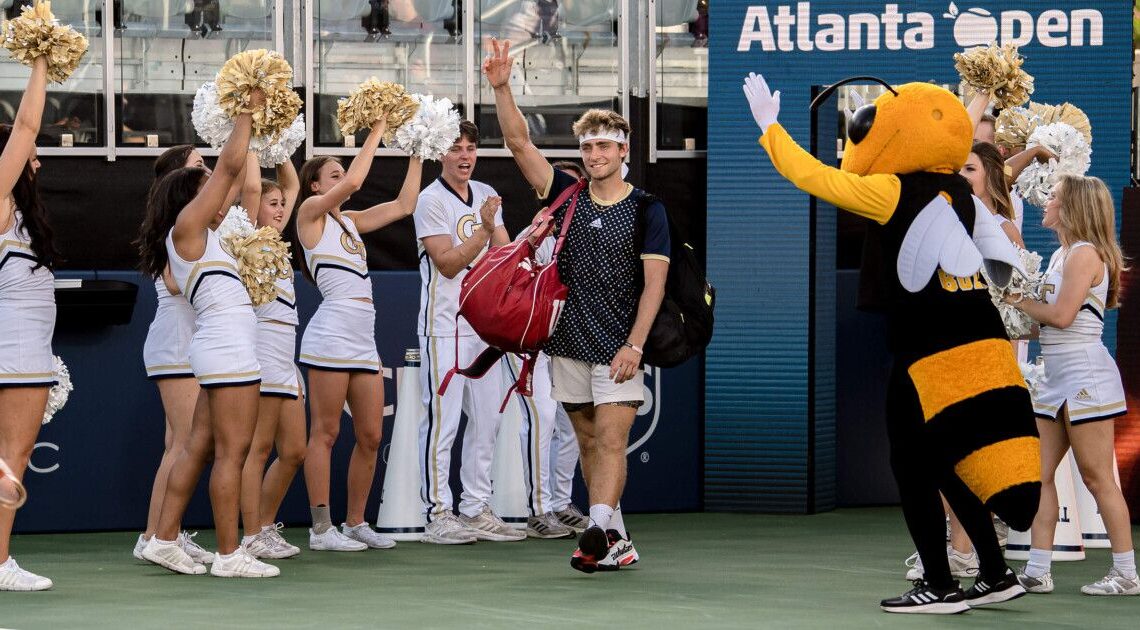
765	104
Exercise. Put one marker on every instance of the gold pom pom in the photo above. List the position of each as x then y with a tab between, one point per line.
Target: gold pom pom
998	70
265	70
1067	113
37	33
262	257
1016	124
372	101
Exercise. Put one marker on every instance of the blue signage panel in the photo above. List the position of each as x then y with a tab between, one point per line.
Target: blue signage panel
759	380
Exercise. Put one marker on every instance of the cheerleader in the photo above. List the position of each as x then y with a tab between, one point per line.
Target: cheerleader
27	309
339	345
1080	393
280	412
222	354
166	355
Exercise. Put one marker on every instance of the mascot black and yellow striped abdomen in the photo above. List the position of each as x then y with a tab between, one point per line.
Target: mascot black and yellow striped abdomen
961	380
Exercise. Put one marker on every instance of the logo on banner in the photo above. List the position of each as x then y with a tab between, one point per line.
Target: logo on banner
645	424
787	28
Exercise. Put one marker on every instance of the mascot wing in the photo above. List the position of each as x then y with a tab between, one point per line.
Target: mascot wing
936	238
1001	256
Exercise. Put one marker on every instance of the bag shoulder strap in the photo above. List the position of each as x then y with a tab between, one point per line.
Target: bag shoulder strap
572	193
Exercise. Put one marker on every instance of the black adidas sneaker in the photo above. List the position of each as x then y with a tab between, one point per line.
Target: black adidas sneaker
985	591
927	600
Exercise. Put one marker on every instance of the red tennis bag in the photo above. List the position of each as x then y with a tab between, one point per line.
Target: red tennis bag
513	302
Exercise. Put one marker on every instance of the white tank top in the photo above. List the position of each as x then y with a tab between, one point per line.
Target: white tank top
167	301
18	281
339	263
1089	323
212	281
284	307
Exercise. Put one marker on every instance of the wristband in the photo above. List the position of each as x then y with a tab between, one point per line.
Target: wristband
635	348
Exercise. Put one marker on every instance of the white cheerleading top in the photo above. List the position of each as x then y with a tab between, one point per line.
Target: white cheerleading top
1089	323
284	307
18	281
210	282
170	302
339	263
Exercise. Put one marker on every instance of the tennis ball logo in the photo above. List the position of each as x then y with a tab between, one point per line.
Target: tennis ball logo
972	27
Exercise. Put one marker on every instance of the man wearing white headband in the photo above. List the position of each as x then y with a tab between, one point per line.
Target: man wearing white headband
614	262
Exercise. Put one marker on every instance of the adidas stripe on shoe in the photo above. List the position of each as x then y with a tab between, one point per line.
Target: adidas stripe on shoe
923	599
985	592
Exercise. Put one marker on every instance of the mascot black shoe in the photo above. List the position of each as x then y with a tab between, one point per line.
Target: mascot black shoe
958	412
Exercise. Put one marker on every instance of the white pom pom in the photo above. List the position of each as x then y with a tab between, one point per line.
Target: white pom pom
57	395
235	225
432	131
1032	373
282	150
1017	323
211	123
1073	158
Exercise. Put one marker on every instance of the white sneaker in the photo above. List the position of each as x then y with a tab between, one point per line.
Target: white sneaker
1043	584
140	544
621	552
13	578
169	554
365	534
447	530
487	526
1002	531
1113	584
572	517
262	545
242	565
961	566
274	534
193	549
333	540
547	526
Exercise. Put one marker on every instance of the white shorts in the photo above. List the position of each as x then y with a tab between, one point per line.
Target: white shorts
1082	377
26	328
341	336
223	350
578	382
166	351
276	345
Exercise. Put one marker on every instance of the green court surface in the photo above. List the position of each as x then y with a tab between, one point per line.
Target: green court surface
697	571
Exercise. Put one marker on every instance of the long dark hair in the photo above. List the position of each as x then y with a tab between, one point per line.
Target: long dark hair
310	173
171	160
997	184
33	214
171	194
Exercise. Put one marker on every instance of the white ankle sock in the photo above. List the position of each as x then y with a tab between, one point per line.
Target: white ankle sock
1125	562
1040	561
245	540
617	522
600	515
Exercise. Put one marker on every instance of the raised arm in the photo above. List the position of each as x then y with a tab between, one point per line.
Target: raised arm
871	196
193	221
250	182
1017	162
977	108
25	128
497	69
402	206
318	205
289	182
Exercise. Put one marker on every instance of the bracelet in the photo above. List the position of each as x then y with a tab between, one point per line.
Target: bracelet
635	348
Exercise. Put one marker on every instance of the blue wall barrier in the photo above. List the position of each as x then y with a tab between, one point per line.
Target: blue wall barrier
94	464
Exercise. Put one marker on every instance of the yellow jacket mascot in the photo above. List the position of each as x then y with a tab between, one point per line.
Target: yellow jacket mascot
959	416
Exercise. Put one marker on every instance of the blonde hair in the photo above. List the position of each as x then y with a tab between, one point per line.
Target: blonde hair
1089	214
600	119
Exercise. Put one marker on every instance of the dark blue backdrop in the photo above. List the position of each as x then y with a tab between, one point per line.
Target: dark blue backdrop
94	463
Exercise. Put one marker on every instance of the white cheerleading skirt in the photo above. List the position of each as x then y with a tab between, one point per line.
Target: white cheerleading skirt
276	347
26	328
166	351
341	336
1081	376
223	350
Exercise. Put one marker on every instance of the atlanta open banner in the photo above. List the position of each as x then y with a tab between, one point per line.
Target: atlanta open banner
770	390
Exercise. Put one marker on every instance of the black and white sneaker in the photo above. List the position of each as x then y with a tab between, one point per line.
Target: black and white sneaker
985	591
927	600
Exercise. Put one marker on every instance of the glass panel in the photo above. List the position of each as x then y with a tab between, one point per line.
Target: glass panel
567	61
412	42
682	74
167	49
73	114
